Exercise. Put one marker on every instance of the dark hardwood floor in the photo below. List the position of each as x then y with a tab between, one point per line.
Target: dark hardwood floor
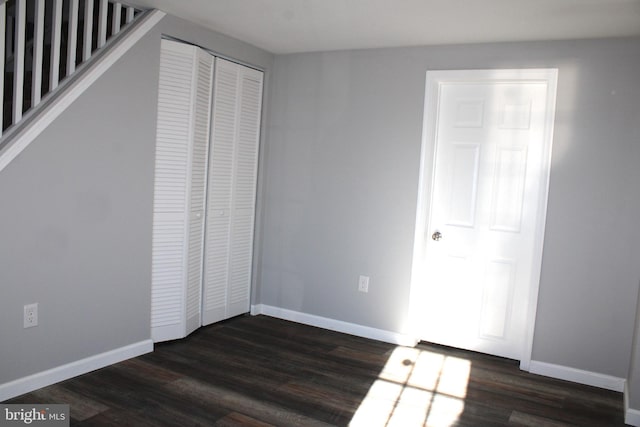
261	371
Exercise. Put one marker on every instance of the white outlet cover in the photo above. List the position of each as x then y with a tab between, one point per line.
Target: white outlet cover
30	315
363	283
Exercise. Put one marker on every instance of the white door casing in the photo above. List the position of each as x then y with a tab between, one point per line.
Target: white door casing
483	185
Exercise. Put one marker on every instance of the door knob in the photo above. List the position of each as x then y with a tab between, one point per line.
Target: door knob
436	236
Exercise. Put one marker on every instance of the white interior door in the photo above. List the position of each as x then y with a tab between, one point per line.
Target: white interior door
481	250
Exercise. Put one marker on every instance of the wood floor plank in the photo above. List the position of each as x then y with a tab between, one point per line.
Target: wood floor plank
152	372
239	403
235	419
528	420
81	407
260	371
117	418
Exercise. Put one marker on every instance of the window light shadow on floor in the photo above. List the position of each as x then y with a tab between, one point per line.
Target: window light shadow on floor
416	388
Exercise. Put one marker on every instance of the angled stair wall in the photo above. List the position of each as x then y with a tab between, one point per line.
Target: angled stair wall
47	51
84	178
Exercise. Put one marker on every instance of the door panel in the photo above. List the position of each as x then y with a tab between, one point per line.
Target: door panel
463	179
508	189
201	114
497	288
171	188
220	198
232	191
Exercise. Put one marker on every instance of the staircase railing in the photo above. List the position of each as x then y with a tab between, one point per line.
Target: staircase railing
42	42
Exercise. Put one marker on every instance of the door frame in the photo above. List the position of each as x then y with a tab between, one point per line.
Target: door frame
434	80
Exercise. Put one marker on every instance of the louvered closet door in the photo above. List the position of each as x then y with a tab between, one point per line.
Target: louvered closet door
184	100
231	190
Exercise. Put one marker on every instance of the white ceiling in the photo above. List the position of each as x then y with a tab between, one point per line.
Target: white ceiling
287	26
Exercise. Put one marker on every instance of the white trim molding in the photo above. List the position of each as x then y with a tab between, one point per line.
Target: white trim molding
577	375
334	325
52	110
42	379
631	416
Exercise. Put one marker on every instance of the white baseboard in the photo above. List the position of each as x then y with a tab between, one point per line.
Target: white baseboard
577	375
631	416
73	369
334	325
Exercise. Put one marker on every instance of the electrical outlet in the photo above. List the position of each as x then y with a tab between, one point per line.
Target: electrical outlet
363	284
30	315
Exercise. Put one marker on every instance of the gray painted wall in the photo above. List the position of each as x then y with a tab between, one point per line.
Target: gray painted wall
76	224
341	184
76	215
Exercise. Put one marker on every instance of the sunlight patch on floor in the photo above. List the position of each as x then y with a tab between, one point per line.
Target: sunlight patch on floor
416	388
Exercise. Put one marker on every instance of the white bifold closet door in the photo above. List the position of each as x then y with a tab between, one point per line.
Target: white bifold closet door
182	143
233	168
206	168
